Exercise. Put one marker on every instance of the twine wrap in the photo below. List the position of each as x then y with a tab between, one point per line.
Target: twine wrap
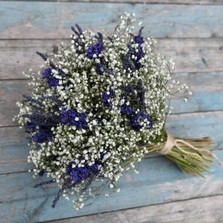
170	143
173	142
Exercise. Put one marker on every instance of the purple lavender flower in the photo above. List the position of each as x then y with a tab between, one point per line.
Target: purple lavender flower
72	117
134	64
94	49
129	90
139	54
41	173
39	119
138	39
44	134
52	81
48	75
101	68
78	174
128	63
78	39
78	31
127	110
141	94
30	126
138	119
106	96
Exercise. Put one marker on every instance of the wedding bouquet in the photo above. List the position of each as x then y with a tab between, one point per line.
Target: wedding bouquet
98	106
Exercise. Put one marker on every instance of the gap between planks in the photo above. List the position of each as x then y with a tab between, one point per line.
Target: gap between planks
194	210
45	19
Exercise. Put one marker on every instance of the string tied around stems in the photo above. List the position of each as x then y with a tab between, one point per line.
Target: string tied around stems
191	155
170	143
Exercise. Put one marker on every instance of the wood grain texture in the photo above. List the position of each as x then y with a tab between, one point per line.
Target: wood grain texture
159	181
11	136
53	20
14	149
190	55
191	32
181	2
10	93
200	210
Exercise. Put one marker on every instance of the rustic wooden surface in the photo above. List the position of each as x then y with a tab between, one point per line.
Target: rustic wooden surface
184	2
174	212
191	32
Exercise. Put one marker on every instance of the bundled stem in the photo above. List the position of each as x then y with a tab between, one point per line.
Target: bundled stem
193	156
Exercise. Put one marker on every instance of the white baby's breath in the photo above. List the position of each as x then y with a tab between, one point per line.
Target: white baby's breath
109	137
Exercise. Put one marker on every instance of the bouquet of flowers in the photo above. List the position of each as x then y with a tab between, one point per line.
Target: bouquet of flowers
98	106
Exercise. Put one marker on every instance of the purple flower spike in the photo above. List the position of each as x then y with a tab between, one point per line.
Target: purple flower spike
106	96
138	119
94	49
127	110
43	135
48	75
138	39
72	117
77	174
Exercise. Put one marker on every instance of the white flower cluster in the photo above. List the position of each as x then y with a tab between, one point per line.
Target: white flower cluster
95	106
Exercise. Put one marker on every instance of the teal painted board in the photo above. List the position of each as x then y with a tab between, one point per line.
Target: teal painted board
11	136
207	91
182	2
53	20
14	159
189	55
187	27
14	149
10	93
159	181
199	210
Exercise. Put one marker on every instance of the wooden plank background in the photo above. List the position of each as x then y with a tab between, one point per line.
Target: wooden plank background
191	32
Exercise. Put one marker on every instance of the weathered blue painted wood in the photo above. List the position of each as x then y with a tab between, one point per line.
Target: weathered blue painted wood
10	92
53	20
159	181
207	89
14	159
14	150
184	2
199	210
11	136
